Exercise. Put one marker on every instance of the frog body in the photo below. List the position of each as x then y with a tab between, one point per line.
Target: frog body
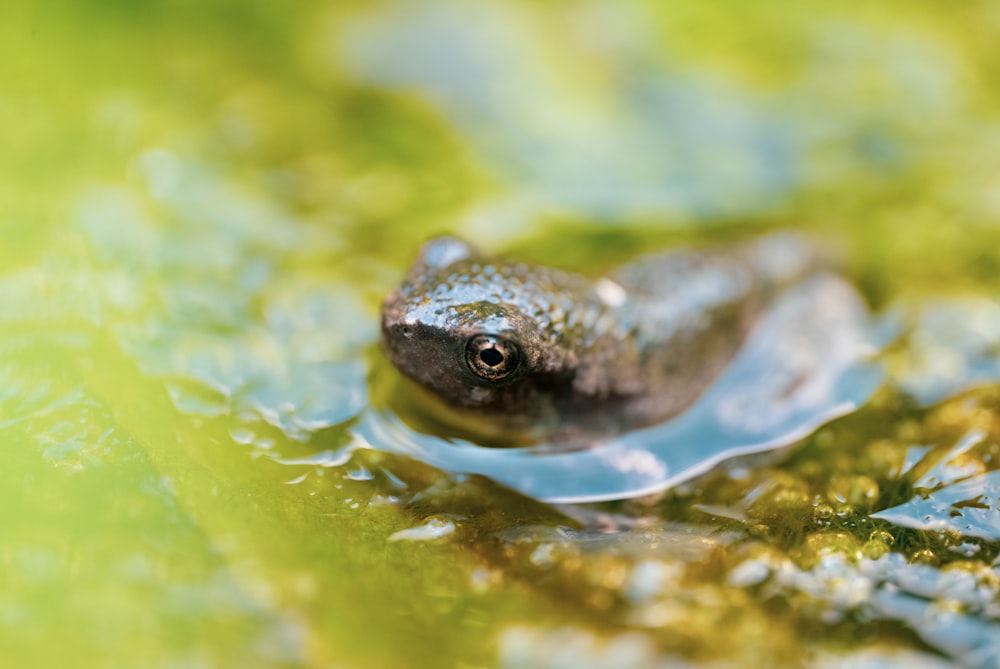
536	348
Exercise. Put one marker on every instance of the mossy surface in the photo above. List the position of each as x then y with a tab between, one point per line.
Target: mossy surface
203	203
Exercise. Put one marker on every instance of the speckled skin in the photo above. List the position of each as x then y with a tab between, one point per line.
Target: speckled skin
612	353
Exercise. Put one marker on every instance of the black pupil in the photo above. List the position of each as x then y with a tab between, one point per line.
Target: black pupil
491	356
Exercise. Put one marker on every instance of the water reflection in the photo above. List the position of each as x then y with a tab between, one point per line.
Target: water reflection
616	121
952	494
625	137
954	612
952	347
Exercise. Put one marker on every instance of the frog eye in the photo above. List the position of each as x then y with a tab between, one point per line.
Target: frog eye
491	357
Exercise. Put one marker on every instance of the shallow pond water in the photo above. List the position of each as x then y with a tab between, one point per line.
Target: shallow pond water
202	206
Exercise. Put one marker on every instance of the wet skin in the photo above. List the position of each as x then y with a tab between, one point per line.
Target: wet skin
558	354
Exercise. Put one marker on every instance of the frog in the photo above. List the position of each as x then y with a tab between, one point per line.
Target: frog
532	350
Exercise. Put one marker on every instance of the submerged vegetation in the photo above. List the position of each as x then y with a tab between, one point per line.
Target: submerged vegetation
202	205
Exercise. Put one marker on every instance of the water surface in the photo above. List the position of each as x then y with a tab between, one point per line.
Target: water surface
202	205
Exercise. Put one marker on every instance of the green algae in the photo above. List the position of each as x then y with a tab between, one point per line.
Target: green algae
201	205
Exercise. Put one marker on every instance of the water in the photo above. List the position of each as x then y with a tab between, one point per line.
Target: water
201	208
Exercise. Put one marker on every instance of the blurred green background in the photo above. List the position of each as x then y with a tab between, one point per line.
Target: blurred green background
202	204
